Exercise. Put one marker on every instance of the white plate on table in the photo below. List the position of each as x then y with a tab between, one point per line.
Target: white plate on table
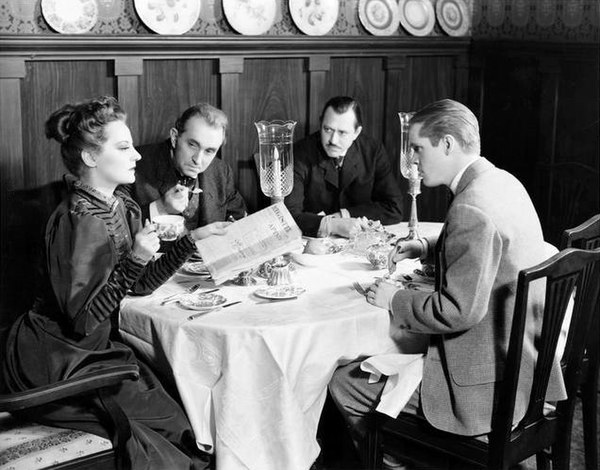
201	301
279	292
70	16
196	268
417	16
168	16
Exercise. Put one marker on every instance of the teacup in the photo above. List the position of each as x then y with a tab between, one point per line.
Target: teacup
169	227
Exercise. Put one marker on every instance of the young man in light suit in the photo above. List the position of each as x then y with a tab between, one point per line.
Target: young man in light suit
491	232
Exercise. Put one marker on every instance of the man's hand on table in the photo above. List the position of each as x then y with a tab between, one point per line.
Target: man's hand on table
347	227
408	249
380	294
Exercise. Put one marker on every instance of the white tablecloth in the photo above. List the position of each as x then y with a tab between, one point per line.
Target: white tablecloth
253	377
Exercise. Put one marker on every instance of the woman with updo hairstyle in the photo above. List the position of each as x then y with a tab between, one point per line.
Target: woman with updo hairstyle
97	249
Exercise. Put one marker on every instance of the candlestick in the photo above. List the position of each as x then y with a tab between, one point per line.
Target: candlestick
277	192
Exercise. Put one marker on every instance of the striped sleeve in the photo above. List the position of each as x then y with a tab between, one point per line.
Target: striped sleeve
157	272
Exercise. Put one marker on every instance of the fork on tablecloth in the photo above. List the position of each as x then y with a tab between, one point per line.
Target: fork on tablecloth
189	290
360	289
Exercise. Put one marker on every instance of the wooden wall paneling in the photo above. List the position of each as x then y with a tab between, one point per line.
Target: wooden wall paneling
318	67
549	95
461	74
363	78
397	91
431	78
47	86
168	87
230	69
11	137
128	71
270	88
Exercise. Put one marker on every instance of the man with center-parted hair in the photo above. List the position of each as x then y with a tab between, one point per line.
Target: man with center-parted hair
182	176
341	176
491	232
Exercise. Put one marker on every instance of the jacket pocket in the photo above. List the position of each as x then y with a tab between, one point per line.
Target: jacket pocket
477	374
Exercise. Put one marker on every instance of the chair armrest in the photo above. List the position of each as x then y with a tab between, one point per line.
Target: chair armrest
66	388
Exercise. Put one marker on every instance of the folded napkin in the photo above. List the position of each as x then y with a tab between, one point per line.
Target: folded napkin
404	372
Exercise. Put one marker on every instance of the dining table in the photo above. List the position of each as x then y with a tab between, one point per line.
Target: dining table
253	377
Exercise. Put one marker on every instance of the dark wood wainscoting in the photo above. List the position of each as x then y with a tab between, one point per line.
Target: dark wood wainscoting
539	112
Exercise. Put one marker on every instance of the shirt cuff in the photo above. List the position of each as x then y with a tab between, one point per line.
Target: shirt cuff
324	228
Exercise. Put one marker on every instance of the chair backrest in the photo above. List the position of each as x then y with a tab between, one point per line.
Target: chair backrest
568	271
585	236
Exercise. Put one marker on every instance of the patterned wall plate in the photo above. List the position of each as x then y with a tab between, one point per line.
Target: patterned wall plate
379	17
417	16
314	17
453	16
250	17
168	16
70	16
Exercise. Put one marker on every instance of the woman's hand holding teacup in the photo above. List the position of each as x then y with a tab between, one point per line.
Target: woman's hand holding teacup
146	243
216	228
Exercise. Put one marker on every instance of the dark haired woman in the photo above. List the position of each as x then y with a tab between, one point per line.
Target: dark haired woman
97	250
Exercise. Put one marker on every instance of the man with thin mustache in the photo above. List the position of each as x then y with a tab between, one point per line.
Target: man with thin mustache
341	176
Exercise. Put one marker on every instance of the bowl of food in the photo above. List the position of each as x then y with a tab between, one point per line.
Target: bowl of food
169	227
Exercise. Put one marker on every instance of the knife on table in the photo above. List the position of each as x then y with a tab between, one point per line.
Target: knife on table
196	315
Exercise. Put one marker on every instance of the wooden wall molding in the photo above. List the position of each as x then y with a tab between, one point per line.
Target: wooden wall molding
12	70
128	70
318	68
168	47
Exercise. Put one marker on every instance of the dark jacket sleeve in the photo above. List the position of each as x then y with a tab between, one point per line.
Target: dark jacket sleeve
386	198
87	282
236	206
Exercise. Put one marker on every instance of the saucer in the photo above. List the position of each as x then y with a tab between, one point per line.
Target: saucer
201	301
279	292
197	268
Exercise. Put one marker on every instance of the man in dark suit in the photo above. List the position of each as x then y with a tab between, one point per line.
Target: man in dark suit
341	176
491	232
182	176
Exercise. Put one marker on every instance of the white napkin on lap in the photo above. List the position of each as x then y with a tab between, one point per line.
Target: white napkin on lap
404	372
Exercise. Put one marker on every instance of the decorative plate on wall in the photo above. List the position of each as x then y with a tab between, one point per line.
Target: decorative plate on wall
379	17
168	16
453	16
70	16
250	17
314	17
417	16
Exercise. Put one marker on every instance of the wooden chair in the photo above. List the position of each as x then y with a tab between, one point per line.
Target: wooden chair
26	445
569	271
587	237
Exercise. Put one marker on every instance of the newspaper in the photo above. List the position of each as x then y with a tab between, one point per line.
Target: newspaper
250	241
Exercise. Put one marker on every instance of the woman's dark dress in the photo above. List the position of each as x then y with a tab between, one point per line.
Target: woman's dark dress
90	269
